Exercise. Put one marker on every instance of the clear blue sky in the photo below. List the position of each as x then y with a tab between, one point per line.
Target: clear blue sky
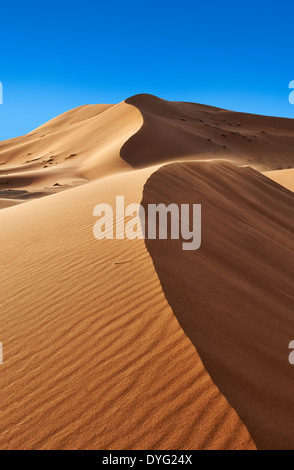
61	54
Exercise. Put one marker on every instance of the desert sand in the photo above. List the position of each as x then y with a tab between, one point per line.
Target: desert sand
132	344
283	177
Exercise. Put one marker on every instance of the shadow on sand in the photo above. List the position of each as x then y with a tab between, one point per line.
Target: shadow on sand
234	296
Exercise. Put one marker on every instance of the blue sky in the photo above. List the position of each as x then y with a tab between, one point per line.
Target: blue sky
61	54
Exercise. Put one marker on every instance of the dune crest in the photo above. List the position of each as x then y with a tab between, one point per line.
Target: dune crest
174	131
81	145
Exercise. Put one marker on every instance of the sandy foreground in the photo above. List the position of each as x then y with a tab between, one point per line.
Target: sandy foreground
132	344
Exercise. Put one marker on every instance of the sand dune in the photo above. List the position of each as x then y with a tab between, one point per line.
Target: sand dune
234	297
9	202
74	116
78	146
173	131
118	344
94	141
94	357
283	177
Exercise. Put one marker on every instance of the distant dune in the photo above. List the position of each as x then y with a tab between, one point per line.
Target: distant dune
80	145
94	141
173	131
133	344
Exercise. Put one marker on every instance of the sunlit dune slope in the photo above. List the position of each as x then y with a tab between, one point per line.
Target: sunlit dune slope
93	354
80	145
283	177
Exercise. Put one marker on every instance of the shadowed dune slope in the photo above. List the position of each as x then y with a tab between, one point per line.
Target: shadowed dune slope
173	130
93	356
234	296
